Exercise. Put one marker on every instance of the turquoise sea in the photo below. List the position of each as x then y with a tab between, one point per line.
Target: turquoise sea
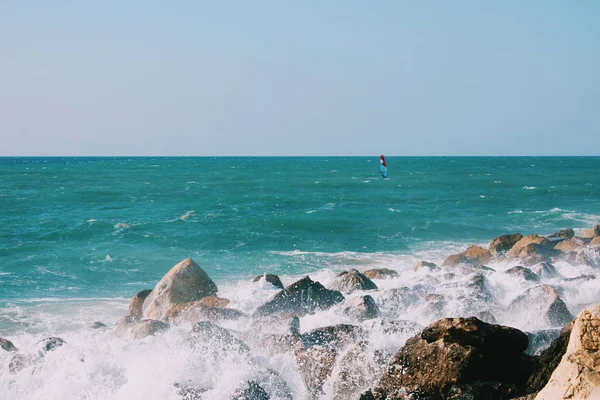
96	227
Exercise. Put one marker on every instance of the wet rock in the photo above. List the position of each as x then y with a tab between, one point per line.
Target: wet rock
276	385
387	326
577	376
147	327
571	244
589	256
51	343
591	233
251	391
380	273
214	301
185	282
535	253
197	311
427	265
351	281
7	345
595	242
538	307
301	298
190	392
540	340
482	390
210	337
472	256
504	243
523	273
124	324
98	325
549	360
583	278
315	365
396	300
458	355
271	278
562	234
362	308
527	240
136	304
358	368
545	270
333	337
486	316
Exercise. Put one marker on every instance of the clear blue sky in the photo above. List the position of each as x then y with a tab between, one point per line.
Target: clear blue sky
299	78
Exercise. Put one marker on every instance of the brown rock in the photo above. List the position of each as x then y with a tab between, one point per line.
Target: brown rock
545	270
351	281
591	233
196	311
271	278
358	369
315	365
562	234
136	303
380	273
595	242
214	301
147	327
534	253
571	244
504	243
473	256
425	264
185	282
527	240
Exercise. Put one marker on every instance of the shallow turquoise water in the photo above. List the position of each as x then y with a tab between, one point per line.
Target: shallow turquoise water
104	227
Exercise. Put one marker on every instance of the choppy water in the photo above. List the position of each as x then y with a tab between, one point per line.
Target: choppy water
80	236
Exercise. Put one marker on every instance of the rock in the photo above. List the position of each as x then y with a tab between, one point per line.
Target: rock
425	264
7	345
504	243
589	256
189	392
197	311
486	316
473	256
214	301
302	297
540	340
362	308
315	365
396	300
98	325
577	376
147	327
591	233
210	337
272	279
535	253
358	368
136	304
351	281
124	324
527	240
595	242
482	390
538	307
185	282
333	337
400	328
545	270
571	244
380	273
549	360
458	355
523	273
562	234
583	277
51	343
252	391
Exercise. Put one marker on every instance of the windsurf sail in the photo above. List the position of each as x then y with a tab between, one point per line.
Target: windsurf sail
383	167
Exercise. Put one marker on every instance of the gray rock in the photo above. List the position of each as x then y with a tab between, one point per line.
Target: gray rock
7	345
425	264
272	279
540	306
523	273
351	281
362	308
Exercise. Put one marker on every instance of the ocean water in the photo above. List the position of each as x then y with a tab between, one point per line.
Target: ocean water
80	236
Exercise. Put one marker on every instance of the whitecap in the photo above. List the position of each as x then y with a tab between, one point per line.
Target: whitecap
187	215
529	187
122	225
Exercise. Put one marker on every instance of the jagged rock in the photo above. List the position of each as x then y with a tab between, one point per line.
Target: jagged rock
527	240
185	282
571	244
98	325
302	297
504	243
214	301
362	308
540	340
562	234
524	273
538	307
545	270
334	336
147	327
358	368
425	264
351	281
473	256
136	304
251	391
7	345
549	360
197	311
577	376
591	233
454	354
380	273
271	278
208	336
315	365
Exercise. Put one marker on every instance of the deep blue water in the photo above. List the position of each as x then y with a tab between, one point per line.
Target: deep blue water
93	227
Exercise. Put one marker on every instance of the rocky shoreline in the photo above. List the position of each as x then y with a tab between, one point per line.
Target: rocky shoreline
469	356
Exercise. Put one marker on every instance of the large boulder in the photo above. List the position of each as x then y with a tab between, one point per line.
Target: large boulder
538	308
301	297
591	233
474	256
504	243
455	355
185	282
523	273
380	273
535	253
577	376
362	308
571	244
271	278
351	281
136	304
196	311
515	251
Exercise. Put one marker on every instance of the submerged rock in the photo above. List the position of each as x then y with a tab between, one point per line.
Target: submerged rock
136	304
538	307
272	279
351	281
458	355
362	308
540	340
51	343
504	243
98	325
7	345
524	273
301	298
396	300
380	273
185	282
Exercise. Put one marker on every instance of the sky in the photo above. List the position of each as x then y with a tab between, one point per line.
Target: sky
216	78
